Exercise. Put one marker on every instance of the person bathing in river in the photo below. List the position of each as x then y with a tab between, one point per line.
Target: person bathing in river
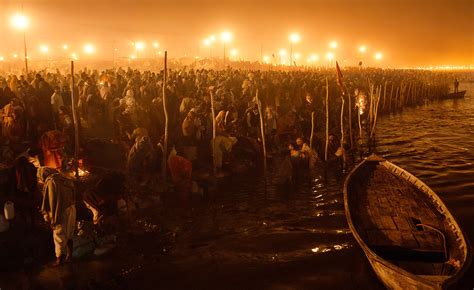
307	153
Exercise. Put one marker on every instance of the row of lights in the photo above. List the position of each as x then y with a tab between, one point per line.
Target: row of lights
21	22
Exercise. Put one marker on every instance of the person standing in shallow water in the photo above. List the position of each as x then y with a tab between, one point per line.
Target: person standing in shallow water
456	85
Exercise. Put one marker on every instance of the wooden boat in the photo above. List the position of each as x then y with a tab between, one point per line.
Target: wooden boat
457	95
408	235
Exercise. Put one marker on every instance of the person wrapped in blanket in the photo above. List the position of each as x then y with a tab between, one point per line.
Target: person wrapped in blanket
59	210
102	199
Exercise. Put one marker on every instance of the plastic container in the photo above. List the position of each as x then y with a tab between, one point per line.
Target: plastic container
4	225
9	210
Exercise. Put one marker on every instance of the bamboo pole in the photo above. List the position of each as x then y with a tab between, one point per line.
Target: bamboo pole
327	121
384	93
262	131
360	125
165	110
377	96
390	98
371	105
213	134
397	93
342	133
312	131
76	123
350	119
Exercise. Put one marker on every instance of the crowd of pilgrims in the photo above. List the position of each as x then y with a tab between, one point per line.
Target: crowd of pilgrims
124	109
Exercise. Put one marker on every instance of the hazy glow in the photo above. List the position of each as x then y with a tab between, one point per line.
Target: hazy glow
207	42
65	47
362	48
378	56
156	44
2	58
15	55
89	48
44	48
234	52
330	56
74	56
226	36
297	56
333	44
20	21
282	52
294	38
133	56
266	59
314	57
139	45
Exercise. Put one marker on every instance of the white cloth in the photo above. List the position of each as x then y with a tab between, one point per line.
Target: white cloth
223	145
56	102
64	231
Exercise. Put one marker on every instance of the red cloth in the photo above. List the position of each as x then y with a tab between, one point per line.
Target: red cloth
181	170
52	143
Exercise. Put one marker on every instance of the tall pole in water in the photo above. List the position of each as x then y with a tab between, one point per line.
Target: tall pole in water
26	51
76	122
224	55
165	141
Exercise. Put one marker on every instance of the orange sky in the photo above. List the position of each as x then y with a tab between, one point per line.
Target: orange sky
407	32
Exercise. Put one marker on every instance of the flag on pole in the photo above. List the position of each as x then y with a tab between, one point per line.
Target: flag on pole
339	78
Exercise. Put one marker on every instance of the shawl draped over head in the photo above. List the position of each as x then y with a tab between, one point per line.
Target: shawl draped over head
58	194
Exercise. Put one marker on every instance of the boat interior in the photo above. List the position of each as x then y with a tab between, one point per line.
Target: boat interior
401	224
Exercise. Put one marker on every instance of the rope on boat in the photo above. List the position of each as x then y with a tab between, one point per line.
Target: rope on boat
446	254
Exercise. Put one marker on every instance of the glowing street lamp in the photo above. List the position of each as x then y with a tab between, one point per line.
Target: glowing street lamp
2	58
89	48
21	22
226	37
133	57
294	38
296	57
139	45
282	54
15	55
44	48
333	44
156	44
74	56
234	52
207	42
378	56
314	57
266	59
330	57
362	49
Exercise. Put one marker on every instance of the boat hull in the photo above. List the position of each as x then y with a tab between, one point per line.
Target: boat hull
457	95
392	276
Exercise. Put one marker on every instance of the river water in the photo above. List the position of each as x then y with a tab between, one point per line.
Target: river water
249	237
255	236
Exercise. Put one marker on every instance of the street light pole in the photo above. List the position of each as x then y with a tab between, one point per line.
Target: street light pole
224	55
291	53
26	52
